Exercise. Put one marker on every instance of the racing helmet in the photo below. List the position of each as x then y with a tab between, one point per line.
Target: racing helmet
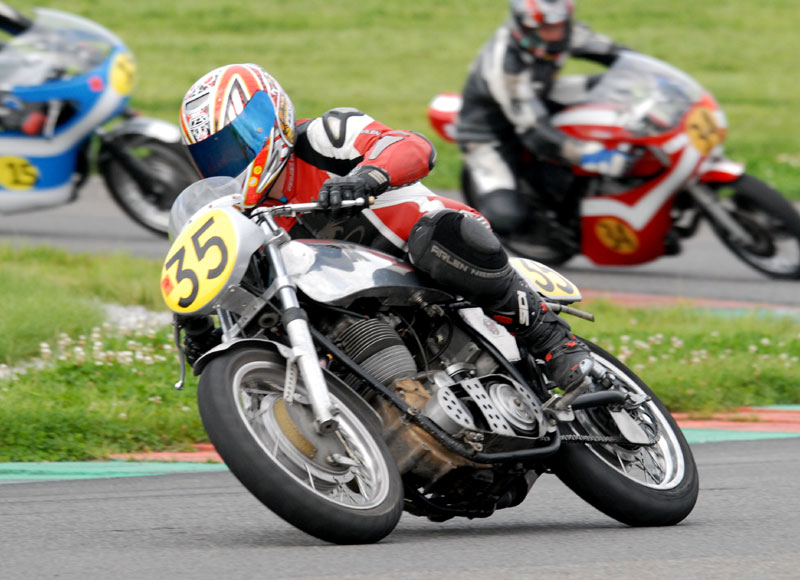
542	27
238	122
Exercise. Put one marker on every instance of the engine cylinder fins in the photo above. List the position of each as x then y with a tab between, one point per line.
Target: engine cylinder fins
378	348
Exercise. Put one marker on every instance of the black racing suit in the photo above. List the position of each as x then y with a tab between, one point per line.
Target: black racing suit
507	100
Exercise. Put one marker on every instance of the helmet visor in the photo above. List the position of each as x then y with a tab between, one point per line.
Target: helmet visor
229	151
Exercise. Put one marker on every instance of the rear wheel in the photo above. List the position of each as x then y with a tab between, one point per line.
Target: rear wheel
168	169
341	487
639	485
771	222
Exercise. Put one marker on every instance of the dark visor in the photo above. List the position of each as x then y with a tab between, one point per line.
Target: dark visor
229	151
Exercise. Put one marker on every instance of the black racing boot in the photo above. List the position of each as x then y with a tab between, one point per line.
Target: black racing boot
548	337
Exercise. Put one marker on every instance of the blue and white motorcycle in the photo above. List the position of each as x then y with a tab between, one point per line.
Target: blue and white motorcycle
65	84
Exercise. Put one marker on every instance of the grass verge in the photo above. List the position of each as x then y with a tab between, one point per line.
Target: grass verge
89	389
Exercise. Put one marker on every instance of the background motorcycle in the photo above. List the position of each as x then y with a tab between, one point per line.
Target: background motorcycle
679	175
346	390
62	79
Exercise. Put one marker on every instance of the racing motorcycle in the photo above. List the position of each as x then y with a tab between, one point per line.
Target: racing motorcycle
63	80
678	176
346	388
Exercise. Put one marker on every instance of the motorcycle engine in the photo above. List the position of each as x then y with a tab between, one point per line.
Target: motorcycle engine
467	398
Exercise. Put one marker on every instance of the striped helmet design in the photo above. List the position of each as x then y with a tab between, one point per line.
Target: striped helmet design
252	119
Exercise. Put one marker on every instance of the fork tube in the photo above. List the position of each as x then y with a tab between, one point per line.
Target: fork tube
303	345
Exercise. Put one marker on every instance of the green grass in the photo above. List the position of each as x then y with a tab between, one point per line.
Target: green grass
702	361
108	393
95	390
49	292
391	58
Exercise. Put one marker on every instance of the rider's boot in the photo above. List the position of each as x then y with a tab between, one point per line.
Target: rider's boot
547	337
459	251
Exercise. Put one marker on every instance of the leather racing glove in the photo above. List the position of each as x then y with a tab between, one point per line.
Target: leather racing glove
363	182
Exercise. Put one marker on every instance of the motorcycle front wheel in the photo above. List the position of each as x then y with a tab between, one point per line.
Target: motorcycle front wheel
770	220
341	487
639	485
165	167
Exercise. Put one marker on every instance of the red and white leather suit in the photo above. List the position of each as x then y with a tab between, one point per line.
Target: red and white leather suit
336	143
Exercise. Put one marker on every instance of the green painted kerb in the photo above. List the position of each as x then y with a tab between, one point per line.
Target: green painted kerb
716	436
10	472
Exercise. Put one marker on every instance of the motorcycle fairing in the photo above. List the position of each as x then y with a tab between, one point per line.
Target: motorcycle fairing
209	256
39	170
630	227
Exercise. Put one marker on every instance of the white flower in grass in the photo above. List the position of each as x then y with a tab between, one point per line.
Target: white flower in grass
123	415
624	339
765	341
676	342
44	351
641	344
752	349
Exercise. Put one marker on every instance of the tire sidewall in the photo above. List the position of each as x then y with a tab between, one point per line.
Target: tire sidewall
268	482
618	496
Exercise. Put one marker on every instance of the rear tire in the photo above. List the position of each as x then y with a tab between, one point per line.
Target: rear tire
637	485
169	163
275	452
772	222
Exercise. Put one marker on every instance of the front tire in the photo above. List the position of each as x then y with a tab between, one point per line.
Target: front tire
654	485
772	223
342	487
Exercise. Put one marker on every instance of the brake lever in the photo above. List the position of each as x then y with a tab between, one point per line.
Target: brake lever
292	209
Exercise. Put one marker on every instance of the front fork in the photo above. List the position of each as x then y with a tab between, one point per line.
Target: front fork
303	348
708	202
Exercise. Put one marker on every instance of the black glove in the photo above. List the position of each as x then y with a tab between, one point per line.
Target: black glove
361	183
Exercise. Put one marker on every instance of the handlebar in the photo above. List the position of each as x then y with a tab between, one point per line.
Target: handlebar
292	209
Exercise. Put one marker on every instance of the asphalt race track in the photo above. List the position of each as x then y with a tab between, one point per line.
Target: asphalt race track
205	526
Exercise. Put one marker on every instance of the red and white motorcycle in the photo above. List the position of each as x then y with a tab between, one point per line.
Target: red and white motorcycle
673	129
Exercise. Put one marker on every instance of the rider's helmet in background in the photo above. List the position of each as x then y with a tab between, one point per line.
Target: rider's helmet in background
237	121
542	27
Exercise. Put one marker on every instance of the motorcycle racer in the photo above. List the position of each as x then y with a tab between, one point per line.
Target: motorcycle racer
510	91
237	121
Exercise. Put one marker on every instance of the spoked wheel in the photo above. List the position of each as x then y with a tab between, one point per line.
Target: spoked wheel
341	487
771	222
655	484
168	169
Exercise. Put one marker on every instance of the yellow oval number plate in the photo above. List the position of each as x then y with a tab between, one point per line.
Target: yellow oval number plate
199	263
546	280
